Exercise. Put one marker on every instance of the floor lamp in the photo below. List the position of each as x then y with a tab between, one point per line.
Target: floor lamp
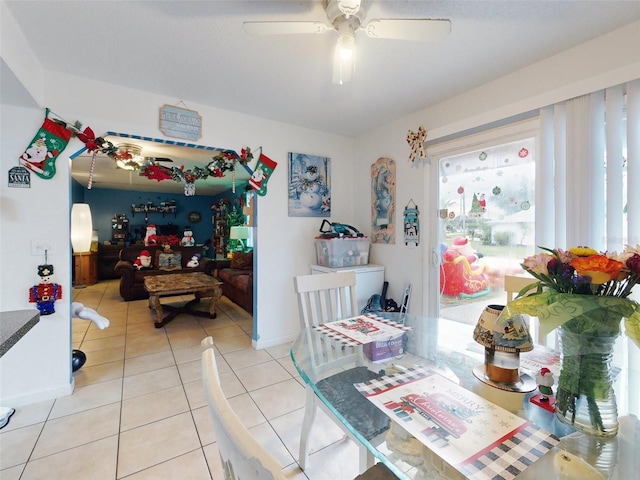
81	233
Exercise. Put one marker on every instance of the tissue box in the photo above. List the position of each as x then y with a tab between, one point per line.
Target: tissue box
381	350
342	252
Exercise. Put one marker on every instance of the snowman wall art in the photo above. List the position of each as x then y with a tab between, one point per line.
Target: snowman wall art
309	185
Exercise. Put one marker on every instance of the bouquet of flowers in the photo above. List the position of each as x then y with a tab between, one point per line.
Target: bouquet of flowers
585	293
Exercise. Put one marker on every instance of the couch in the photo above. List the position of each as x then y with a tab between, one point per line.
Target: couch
132	279
237	278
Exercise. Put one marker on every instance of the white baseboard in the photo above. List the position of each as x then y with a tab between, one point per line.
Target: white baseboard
39	396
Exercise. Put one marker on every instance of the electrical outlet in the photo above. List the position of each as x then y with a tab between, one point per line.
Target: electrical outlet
38	247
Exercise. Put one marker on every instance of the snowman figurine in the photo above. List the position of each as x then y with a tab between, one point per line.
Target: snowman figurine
187	239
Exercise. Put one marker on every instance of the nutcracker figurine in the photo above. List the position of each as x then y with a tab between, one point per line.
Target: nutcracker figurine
45	293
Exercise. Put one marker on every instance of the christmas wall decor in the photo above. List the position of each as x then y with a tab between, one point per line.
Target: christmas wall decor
309	185
19	177
411	224
261	174
225	161
46	292
49	142
383	201
416	142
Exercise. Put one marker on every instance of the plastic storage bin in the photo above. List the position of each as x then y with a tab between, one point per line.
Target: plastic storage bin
342	252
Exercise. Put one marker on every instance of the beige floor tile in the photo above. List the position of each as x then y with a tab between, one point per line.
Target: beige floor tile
230	384
289	426
189	338
94	460
337	461
98	373
149	382
191	465
204	425
88	397
78	429
267	437
153	407
110	331
157	442
155	345
232	344
213	461
104	356
246	358
146	363
248	412
219	332
190	371
280	398
222	320
288	365
188	354
12	473
102	343
16	445
280	351
29	415
195	394
262	375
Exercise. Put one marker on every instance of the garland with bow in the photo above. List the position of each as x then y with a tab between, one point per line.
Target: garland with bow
223	162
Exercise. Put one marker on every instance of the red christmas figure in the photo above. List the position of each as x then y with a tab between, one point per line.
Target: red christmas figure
45	293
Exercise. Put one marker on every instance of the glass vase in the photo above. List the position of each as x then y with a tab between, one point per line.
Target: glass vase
585	398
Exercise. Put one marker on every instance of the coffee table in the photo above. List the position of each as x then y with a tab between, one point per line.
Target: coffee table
199	284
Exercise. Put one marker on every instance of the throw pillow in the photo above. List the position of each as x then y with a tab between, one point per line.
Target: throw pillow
170	261
242	261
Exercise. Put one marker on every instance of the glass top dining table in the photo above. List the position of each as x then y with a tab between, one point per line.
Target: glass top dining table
447	348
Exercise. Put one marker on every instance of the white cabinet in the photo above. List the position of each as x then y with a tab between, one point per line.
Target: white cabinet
369	280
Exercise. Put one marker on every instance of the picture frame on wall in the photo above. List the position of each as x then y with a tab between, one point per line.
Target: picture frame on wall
383	201
309	185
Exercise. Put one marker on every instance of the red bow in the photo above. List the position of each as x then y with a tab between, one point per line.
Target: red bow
88	138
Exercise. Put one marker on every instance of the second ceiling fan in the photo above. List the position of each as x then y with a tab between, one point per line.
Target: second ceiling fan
347	17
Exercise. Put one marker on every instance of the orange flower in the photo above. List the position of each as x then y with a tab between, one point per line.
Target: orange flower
600	268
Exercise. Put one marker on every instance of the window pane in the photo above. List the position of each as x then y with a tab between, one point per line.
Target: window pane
487	225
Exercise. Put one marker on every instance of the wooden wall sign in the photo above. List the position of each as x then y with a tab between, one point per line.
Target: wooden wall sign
180	123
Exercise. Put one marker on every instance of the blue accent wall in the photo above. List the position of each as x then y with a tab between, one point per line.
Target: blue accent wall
105	203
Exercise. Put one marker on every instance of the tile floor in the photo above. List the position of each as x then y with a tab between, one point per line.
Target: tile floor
139	410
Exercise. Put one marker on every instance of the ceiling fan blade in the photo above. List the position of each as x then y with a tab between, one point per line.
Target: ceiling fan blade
423	30
158	159
284	28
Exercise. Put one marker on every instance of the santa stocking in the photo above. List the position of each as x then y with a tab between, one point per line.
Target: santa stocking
262	172
49	142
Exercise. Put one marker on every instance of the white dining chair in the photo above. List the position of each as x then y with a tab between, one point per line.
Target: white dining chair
326	298
241	455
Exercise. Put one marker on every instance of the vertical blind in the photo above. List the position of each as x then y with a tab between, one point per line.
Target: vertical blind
584	153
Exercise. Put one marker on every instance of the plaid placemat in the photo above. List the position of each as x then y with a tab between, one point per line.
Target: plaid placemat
326	329
503	459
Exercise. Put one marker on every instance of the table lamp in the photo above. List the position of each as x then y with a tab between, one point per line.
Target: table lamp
239	233
503	340
81	233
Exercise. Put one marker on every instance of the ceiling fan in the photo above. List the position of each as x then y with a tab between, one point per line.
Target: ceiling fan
347	17
128	157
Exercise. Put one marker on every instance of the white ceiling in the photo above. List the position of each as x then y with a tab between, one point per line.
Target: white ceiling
197	52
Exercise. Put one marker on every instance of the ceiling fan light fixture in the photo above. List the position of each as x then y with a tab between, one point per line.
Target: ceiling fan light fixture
128	157
346	47
344	59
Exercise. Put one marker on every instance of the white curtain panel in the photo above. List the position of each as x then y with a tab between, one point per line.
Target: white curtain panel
583	143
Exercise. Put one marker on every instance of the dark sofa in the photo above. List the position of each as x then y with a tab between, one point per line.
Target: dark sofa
132	279
237	278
